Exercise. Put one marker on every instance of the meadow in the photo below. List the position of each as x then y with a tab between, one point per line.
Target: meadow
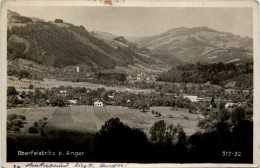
91	118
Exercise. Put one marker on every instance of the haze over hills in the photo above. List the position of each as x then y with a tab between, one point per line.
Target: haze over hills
62	44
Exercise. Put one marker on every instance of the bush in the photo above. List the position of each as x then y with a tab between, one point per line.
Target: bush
11	117
31	86
22	117
239	114
35	124
32	130
15	128
11	91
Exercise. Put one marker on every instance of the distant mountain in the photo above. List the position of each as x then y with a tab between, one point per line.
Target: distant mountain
62	44
114	41
199	44
129	42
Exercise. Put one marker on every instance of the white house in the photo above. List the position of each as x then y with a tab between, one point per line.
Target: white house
19	97
72	101
230	105
128	101
98	103
63	92
111	96
200	99
193	98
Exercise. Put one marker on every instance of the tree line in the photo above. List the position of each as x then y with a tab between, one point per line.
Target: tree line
216	73
117	142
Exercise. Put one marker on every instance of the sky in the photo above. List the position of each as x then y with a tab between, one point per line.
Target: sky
148	21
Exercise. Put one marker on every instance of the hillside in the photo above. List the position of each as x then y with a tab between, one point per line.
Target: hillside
126	42
62	44
216	73
199	44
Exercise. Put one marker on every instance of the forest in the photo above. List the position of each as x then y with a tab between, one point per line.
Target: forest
216	73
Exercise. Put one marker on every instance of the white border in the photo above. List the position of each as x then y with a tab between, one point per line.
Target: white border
135	3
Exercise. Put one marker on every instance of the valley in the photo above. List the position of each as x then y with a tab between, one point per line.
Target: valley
171	97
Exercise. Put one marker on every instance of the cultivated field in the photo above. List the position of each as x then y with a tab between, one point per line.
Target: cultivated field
22	85
90	118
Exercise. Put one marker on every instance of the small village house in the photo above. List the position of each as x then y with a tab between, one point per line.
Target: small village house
193	98
98	103
231	105
64	92
72	102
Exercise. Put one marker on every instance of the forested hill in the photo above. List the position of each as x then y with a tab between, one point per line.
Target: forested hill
60	44
241	75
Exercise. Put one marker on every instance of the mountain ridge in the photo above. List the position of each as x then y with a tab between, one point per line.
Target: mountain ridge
60	44
189	44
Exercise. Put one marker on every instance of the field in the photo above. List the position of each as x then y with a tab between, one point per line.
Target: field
90	118
22	85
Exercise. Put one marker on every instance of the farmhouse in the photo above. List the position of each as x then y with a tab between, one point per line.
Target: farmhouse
19	97
64	92
98	103
49	103
72	102
193	98
111	96
231	105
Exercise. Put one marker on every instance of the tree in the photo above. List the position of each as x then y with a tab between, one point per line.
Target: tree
104	95
58	21
157	131
143	106
115	136
22	117
212	102
163	134
223	115
15	122
221	106
35	124
11	117
58	100
11	91
33	130
238	114
181	145
30	86
42	103
171	133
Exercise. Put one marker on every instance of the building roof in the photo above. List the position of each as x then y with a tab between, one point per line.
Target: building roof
192	98
72	101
